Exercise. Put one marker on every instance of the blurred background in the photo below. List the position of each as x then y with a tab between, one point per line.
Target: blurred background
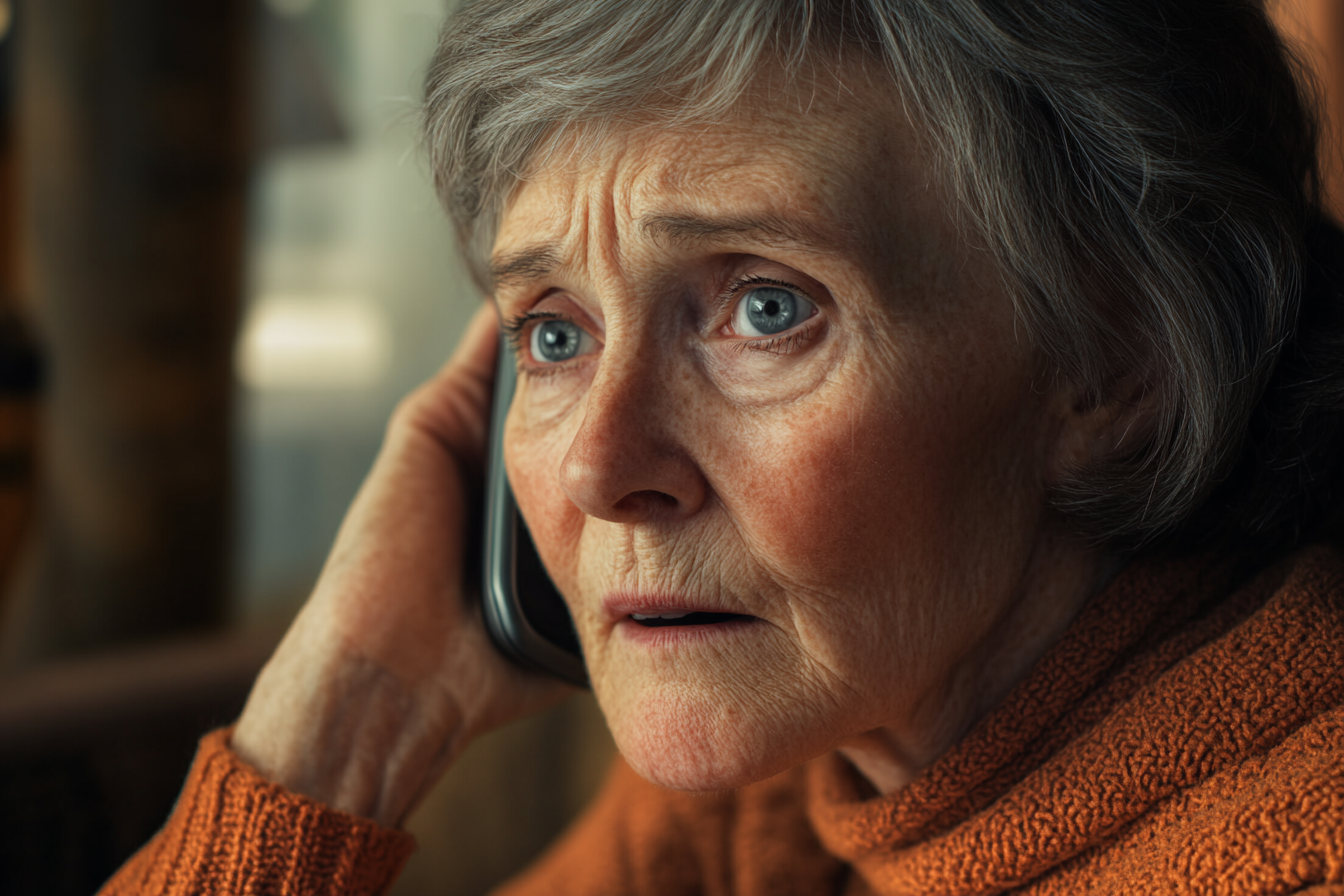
221	263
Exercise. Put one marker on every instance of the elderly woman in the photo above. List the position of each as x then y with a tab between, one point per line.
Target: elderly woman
928	410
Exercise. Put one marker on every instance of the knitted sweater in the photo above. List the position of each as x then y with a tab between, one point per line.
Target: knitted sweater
1185	736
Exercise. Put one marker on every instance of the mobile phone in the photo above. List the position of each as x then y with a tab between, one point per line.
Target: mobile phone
524	614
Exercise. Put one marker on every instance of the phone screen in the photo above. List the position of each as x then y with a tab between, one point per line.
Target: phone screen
523	611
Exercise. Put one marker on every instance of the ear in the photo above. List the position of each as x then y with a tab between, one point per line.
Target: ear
1092	429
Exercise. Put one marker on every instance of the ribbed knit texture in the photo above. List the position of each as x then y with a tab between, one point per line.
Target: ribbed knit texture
1186	736
233	832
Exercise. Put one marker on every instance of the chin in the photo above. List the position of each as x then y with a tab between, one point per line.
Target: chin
684	743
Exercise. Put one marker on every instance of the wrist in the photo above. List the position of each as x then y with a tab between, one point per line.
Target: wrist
348	734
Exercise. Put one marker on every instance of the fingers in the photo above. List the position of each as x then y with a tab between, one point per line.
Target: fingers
454	406
474	356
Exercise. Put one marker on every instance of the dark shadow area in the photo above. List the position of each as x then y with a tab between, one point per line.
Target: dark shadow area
93	754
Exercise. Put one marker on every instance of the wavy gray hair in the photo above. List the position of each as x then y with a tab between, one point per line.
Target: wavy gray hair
1143	172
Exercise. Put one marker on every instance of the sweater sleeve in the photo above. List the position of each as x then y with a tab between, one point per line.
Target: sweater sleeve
234	831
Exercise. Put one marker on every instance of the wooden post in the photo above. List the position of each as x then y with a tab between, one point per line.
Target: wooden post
134	142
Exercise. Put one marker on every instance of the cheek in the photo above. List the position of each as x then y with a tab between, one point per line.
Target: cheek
890	517
828	494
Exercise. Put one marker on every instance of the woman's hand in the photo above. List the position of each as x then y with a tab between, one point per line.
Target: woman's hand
387	673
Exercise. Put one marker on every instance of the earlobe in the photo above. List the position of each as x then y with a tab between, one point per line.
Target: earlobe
1094	429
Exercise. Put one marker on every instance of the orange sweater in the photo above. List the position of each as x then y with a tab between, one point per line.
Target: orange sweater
1185	736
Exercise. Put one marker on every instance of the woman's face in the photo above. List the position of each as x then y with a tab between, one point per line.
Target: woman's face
764	378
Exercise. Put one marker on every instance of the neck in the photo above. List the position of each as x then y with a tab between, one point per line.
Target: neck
1059	582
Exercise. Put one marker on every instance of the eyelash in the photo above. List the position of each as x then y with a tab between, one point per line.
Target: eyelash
513	327
513	330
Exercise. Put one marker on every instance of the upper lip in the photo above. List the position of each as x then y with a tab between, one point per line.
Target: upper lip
622	605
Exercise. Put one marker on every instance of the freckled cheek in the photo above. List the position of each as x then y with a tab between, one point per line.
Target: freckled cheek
829	501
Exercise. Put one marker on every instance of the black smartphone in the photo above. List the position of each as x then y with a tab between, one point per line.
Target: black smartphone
524	613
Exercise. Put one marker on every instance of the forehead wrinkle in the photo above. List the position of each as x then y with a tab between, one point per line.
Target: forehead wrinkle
613	202
583	216
768	229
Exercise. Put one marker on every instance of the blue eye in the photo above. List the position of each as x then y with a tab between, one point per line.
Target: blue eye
767	310
554	341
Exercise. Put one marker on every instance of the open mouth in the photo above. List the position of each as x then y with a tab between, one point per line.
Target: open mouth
679	618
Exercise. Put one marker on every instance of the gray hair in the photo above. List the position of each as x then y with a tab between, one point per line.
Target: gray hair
1143	172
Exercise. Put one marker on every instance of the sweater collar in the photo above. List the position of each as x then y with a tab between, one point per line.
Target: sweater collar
1033	784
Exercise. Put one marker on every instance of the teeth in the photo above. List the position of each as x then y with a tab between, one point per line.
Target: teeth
638	617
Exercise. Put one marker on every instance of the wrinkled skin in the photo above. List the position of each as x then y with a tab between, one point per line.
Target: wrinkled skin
864	491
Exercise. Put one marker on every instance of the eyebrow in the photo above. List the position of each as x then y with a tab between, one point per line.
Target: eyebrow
525	265
537	261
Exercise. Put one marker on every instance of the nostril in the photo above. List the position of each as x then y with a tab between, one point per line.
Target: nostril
645	501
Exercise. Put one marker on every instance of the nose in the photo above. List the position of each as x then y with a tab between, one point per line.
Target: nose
629	460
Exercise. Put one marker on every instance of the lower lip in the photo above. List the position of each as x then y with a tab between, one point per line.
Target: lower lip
679	635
